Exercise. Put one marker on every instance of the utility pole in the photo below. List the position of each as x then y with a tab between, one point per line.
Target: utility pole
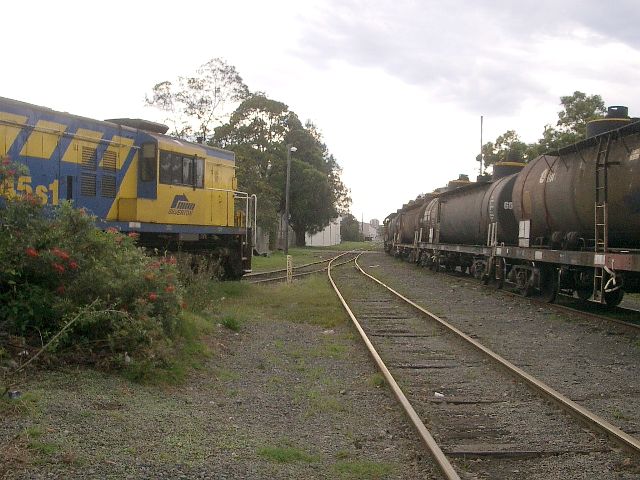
290	149
481	166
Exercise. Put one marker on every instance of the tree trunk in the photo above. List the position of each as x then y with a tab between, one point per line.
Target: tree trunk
301	240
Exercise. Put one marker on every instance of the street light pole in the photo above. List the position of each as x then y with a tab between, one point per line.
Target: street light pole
290	149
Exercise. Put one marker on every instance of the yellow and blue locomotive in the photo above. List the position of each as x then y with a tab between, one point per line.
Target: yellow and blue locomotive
177	195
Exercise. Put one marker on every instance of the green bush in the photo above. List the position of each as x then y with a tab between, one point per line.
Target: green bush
54	264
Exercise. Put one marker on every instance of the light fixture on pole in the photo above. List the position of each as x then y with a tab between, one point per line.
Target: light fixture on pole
290	149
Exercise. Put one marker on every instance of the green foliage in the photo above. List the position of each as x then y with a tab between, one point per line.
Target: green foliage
231	322
259	132
54	263
577	110
507	147
350	229
199	99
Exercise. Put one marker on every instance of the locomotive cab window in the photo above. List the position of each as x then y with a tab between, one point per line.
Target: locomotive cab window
148	162
178	169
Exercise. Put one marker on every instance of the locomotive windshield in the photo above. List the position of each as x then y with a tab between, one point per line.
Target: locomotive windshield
178	169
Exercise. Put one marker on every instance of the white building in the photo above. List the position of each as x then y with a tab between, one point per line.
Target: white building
329	236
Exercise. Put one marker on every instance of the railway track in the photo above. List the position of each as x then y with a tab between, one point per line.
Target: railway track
477	404
621	315
298	271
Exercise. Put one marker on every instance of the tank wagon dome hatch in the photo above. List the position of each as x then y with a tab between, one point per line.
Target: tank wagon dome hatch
617	117
504	169
140	124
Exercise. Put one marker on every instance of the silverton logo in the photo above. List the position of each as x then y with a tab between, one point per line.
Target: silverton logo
181	206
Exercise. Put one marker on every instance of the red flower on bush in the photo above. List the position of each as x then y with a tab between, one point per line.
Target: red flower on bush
112	230
57	267
133	235
31	252
153	296
6	161
171	260
170	288
73	265
61	254
183	305
60	290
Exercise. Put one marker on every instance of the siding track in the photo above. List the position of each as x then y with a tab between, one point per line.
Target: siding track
485	419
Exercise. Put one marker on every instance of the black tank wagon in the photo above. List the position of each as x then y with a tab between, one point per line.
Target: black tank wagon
568	222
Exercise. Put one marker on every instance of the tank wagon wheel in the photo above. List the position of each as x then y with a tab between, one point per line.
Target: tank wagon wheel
613	299
584	285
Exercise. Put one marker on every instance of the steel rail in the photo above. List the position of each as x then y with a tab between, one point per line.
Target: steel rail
553	305
582	313
567	404
302	274
268	272
426	437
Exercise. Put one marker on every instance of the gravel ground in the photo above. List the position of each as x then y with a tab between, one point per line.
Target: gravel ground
594	363
489	425
277	400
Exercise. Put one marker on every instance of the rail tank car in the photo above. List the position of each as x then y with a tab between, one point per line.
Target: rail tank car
410	227
555	194
463	215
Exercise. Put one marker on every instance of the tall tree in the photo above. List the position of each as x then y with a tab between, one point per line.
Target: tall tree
577	110
258	132
197	103
507	147
350	229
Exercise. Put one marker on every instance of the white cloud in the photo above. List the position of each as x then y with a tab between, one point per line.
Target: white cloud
397	87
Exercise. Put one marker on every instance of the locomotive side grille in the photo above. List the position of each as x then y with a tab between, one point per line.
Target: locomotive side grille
109	161
108	187
88	184
89	158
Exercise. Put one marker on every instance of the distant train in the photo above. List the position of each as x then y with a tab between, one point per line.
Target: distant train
176	194
566	222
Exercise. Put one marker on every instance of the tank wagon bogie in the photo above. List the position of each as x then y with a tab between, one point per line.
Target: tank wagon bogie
567	222
175	194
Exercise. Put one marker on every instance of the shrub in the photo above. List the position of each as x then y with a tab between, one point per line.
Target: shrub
54	263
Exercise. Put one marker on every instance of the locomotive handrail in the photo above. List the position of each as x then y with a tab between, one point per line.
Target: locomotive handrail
237	194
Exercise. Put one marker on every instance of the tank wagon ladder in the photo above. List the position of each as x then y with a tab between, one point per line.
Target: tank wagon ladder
601	215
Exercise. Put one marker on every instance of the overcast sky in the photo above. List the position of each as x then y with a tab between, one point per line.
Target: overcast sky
397	87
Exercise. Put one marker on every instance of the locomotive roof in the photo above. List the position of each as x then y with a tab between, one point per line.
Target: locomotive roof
204	149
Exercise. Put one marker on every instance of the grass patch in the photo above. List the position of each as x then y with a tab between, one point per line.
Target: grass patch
377	380
285	454
43	448
26	405
191	353
319	402
356	469
277	260
231	322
